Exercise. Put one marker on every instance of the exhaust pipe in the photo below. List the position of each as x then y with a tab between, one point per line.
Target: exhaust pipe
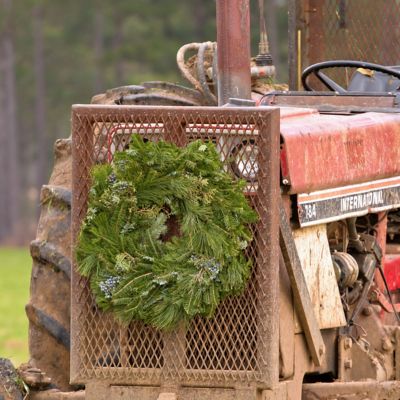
233	50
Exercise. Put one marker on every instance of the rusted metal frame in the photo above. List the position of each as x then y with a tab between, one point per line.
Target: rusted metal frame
388	52
286	324
111	113
371	389
80	140
214	378
123	336
175	132
268	195
381	232
302	300
319	101
338	110
233	50
316	37
174	349
174	355
50	394
312	38
83	158
83	119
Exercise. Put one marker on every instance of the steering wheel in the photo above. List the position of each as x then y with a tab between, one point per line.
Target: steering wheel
315	69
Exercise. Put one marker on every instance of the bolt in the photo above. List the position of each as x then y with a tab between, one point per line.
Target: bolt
386	344
285	181
348	364
348	343
367	311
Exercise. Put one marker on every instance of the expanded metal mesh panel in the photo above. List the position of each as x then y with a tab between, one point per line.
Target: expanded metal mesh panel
363	30
241	341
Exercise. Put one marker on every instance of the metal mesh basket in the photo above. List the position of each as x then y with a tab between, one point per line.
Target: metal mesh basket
240	343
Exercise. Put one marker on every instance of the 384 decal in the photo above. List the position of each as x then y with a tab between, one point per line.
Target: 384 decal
332	205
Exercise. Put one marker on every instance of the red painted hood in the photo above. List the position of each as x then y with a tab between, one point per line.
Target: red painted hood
327	151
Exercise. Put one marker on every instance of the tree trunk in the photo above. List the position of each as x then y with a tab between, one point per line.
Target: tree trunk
200	20
116	46
272	29
12	170
40	98
4	199
98	50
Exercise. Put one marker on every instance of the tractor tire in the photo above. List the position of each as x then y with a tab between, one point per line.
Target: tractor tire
48	309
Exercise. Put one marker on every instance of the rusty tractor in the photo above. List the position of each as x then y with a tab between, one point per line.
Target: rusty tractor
320	318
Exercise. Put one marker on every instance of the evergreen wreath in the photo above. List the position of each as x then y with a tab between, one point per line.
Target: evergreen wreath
164	236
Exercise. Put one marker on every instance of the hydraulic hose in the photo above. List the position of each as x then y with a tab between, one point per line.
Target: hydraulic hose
202	75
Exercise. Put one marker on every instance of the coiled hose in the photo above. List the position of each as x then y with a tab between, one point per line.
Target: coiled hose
200	83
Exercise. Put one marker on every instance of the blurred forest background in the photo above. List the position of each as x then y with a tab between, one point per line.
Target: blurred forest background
54	53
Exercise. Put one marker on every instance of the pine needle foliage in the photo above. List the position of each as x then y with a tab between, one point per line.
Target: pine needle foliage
136	269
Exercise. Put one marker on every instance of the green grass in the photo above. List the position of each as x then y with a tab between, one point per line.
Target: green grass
15	268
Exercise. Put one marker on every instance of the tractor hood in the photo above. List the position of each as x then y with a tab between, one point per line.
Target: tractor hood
330	151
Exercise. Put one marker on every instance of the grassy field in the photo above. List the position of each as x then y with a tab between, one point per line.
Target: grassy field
15	267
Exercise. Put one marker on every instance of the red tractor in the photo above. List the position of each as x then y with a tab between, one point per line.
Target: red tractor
320	318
